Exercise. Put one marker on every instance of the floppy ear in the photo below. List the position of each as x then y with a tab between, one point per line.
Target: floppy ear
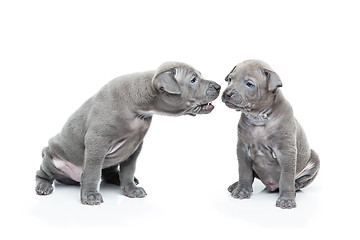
273	80
227	76
166	82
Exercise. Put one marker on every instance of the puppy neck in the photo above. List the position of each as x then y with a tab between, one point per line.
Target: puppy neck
263	116
145	116
256	119
142	93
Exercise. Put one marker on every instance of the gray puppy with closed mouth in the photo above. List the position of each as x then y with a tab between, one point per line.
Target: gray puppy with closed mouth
103	138
272	146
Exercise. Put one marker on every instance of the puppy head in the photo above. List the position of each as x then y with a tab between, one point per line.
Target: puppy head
182	90
252	86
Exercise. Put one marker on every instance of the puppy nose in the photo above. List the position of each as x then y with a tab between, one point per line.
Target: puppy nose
216	86
230	93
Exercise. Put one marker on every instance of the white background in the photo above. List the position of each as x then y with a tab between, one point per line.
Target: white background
56	54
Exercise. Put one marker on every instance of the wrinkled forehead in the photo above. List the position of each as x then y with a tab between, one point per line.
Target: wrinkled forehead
254	64
250	69
185	73
240	73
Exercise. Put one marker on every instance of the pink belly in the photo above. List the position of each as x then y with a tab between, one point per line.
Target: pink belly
270	183
68	169
270	187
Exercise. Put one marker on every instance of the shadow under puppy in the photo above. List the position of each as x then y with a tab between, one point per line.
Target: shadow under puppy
272	145
107	131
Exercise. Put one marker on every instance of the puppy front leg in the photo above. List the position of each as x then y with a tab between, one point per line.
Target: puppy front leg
95	152
127	171
287	179
243	188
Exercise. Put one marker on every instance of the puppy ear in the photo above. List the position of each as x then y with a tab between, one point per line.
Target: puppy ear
273	80
227	77
165	81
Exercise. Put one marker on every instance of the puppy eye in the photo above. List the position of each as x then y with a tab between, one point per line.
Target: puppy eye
193	80
250	85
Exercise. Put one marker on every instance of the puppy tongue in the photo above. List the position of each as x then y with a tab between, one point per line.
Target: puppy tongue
208	106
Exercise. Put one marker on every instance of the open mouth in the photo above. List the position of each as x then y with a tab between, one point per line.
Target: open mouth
203	108
207	106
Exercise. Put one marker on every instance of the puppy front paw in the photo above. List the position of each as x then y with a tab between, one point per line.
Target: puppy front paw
286	203
240	191
91	198
133	191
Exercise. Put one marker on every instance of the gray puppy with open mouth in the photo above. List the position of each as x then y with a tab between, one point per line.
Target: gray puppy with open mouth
272	146
103	138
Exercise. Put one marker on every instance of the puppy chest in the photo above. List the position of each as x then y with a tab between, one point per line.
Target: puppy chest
139	125
258	143
121	150
262	155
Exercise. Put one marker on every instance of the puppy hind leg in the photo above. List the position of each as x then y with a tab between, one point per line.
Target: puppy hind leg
112	175
234	185
44	177
308	174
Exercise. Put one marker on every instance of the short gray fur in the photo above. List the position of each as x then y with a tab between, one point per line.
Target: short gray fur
272	145
103	138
